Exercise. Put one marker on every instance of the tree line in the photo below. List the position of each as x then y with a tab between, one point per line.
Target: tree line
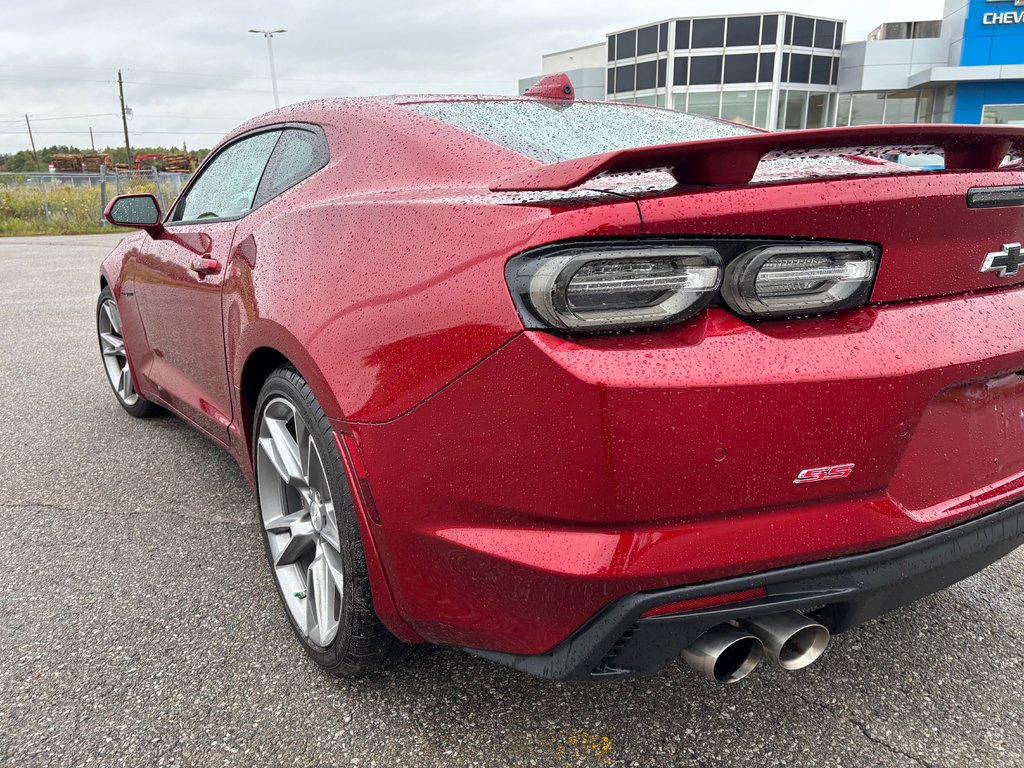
22	161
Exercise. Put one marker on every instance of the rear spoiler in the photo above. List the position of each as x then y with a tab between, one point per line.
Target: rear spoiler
734	160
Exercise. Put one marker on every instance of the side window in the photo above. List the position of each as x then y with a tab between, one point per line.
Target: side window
227	186
299	154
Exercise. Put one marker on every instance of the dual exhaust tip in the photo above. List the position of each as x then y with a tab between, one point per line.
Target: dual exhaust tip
729	652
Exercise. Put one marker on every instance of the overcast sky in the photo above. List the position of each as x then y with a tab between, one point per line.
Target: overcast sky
192	72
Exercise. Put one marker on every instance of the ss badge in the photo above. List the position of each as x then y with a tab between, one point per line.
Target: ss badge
818	474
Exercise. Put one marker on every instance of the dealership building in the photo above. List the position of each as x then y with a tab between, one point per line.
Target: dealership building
785	71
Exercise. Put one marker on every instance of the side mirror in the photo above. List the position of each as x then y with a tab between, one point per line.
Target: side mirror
140	211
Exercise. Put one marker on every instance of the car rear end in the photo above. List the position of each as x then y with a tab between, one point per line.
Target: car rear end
799	397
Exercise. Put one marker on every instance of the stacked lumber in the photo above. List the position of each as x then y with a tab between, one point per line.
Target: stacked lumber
180	162
91	162
66	163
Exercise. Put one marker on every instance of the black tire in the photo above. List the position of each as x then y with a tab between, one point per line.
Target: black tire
140	408
362	644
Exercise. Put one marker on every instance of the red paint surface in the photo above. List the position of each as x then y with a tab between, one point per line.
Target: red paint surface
682	606
522	481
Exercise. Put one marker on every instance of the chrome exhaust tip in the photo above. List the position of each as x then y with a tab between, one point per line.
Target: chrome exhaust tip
790	639
725	654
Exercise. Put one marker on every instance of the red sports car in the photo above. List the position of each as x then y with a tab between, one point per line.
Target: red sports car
583	387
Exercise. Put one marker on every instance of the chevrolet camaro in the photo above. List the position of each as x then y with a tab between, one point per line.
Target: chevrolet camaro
585	387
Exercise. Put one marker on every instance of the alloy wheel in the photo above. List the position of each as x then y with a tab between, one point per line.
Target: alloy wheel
115	358
301	526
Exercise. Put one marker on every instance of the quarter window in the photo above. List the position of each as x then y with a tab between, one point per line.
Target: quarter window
227	186
299	154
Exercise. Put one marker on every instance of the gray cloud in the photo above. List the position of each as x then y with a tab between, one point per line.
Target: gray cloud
192	71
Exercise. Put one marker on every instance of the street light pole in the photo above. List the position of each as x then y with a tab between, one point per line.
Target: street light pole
269	35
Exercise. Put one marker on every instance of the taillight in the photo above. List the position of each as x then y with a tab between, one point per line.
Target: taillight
787	280
597	286
592	288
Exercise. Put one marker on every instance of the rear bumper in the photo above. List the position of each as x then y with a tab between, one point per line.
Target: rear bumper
840	593
558	476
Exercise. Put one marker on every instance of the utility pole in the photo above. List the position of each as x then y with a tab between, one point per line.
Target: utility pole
269	34
92	141
32	141
124	119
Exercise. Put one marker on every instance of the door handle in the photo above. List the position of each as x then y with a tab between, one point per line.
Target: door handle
205	266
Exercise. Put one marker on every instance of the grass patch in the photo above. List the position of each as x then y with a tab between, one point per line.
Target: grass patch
74	210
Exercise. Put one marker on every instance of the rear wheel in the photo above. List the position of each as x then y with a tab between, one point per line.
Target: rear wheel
310	531
115	358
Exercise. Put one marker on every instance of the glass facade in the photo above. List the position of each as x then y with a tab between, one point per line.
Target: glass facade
767	70
893	107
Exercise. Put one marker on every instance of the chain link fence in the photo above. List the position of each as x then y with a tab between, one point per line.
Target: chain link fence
34	203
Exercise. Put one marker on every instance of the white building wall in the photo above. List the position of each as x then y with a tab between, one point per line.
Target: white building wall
583	57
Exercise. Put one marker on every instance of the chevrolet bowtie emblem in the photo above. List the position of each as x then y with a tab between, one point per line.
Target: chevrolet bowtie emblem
1006	262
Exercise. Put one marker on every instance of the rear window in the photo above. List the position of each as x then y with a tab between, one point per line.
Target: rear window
554	132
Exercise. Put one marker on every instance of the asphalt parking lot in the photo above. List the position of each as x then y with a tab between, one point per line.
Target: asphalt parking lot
139	626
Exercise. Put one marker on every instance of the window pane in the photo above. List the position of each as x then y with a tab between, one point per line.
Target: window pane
575	129
682	71
796	103
611	47
764	100
1003	114
625	78
662	67
843	114
901	108
228	184
821	70
663	37
744	30
824	34
682	35
789	30
817	110
704	103
803	31
647	41
708	33
867	108
679	102
611	81
646	75
298	155
741	68
800	68
770	30
766	73
835	71
840	27
625	45
738	106
705	70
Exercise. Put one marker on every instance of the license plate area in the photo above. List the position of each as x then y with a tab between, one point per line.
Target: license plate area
969	441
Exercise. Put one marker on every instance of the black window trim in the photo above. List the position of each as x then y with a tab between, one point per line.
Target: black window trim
279	127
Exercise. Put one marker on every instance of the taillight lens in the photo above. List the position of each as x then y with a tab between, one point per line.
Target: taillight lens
595	286
787	280
599	289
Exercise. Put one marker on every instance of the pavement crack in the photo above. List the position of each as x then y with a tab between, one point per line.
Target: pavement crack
862	727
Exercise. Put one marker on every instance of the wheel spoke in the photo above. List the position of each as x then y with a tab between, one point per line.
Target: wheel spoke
112	314
324	578
283	452
297	546
113	344
330	532
283	523
126	388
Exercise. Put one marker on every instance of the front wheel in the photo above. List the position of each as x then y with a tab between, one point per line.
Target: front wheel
115	358
310	532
